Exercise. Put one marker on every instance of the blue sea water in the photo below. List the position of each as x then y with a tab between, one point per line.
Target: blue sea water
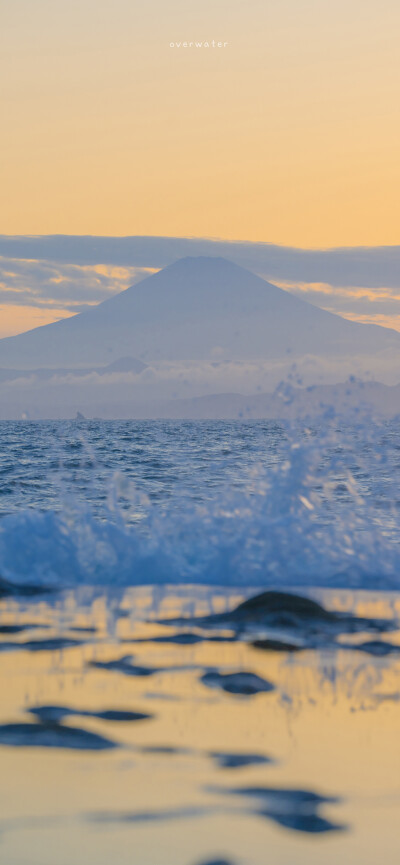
120	733
215	502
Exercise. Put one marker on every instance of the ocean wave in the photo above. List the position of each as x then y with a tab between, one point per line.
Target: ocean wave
324	514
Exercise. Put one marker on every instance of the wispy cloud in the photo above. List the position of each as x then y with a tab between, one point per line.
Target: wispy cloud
356	266
370	305
67	286
36	292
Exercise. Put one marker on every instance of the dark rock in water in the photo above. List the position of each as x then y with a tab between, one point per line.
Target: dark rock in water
51	714
125	666
55	714
379	648
283	607
277	646
292	808
10	590
7	630
288	612
236	761
285	610
310	823
186	638
120	715
52	644
52	736
285	797
237	683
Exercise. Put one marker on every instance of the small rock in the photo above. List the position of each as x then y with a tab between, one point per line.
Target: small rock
246	684
52	736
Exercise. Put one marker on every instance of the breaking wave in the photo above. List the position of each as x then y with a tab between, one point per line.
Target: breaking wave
322	511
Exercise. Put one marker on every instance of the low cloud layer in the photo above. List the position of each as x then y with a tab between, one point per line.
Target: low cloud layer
144	394
358	266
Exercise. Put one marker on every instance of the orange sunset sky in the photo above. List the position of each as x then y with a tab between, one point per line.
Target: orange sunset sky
290	134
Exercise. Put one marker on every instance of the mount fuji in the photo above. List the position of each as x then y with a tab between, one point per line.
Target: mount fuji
199	327
193	310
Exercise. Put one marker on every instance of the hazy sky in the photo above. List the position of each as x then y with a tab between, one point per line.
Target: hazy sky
290	134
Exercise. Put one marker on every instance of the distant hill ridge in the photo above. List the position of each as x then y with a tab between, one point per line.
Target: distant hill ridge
353	399
288	402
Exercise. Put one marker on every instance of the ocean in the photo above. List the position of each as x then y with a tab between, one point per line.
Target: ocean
199	642
212	502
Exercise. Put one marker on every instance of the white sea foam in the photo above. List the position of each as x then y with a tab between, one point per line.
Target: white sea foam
323	513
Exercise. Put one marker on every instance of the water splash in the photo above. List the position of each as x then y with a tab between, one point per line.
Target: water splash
323	512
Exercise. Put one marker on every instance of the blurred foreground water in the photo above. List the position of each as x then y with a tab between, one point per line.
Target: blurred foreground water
121	739
141	720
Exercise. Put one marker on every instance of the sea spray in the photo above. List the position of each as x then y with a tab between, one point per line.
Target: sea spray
314	505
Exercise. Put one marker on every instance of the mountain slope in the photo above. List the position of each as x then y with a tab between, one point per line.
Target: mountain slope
196	309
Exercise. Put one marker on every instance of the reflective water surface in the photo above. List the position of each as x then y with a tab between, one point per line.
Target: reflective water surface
118	742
